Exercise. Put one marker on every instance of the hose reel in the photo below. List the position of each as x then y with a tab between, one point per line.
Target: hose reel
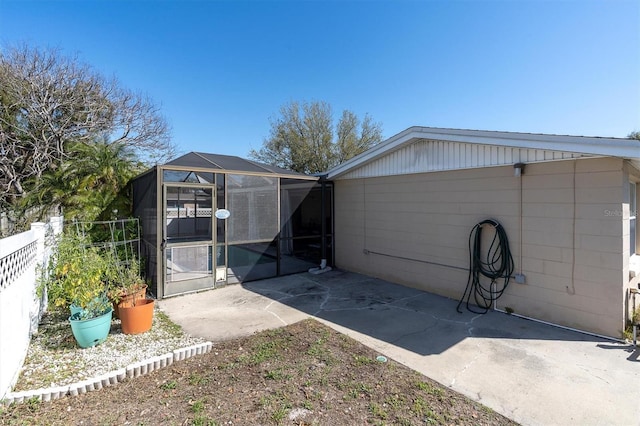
497	267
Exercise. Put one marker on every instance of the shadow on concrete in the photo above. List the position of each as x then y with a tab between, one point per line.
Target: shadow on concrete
415	320
634	351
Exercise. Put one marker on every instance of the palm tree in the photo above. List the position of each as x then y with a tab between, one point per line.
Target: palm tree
91	179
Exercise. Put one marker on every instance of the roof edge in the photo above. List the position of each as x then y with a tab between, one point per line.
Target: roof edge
610	147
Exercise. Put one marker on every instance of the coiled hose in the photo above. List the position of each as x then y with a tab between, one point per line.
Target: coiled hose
498	265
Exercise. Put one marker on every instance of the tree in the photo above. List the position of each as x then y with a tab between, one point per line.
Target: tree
302	138
91	183
50	105
634	135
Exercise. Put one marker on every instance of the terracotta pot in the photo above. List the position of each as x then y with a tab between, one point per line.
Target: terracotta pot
137	319
129	300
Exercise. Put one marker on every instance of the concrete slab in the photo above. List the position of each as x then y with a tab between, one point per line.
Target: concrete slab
532	373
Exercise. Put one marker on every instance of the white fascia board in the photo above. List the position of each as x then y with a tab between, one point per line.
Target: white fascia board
610	147
374	152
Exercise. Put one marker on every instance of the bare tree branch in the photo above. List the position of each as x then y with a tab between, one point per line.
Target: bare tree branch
49	101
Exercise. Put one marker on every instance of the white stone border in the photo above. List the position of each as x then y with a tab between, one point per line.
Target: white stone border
134	370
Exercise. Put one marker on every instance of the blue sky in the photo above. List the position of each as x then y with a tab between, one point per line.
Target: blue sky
221	69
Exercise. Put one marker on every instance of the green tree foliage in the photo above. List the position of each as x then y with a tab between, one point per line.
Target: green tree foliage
88	185
57	116
302	138
634	135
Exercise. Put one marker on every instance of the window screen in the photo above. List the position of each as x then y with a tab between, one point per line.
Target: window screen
253	204
188	214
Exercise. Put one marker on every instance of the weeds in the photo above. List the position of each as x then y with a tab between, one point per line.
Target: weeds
33	404
429	388
278	404
319	350
396	402
169	326
170	385
203	421
277	374
197	380
378	411
259	380
420	406
280	414
197	406
363	360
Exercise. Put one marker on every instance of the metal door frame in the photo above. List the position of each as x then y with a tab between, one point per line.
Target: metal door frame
210	243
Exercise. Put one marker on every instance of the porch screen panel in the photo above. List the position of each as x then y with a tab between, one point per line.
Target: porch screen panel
252	227
253	204
188	214
145	193
187	263
301	225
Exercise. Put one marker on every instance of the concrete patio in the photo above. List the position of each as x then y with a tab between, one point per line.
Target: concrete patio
530	372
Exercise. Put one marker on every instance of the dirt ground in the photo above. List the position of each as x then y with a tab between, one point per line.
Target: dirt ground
302	374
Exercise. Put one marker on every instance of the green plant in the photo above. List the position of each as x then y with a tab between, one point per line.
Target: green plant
124	278
197	406
429	388
33	403
279	414
171	384
363	360
420	406
264	351
635	319
277	374
203	421
76	274
395	401
378	411
197	379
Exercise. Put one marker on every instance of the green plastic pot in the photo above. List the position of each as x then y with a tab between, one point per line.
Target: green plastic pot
91	332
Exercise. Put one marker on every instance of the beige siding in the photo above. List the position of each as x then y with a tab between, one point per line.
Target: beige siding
412	225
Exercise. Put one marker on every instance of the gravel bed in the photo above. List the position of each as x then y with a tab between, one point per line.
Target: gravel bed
54	359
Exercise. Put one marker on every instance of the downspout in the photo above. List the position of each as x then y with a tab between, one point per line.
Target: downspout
323	229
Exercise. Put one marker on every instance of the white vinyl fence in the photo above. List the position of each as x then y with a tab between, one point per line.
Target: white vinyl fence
20	307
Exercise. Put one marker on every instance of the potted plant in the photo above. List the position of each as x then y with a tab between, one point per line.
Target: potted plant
128	293
75	276
126	286
137	318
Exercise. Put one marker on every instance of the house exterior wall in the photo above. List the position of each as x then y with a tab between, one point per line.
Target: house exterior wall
632	174
414	230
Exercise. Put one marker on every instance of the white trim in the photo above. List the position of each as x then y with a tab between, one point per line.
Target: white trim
611	147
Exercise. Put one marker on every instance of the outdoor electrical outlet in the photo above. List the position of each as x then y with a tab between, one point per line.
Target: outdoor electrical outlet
519	278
